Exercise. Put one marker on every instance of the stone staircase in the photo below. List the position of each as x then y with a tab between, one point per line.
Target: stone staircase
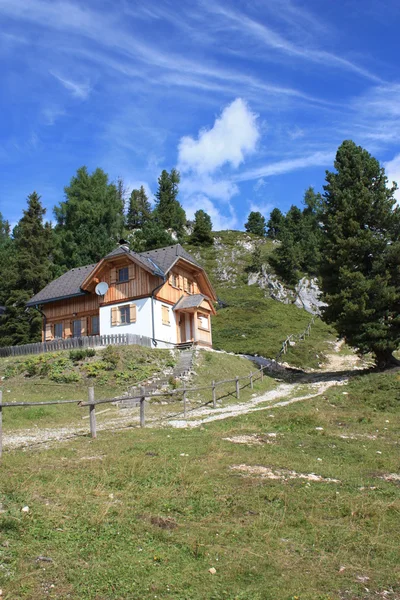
181	370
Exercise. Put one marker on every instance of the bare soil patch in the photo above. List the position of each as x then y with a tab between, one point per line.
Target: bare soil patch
281	474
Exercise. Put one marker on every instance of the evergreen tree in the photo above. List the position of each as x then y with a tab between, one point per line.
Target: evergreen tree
361	260
256	224
151	236
275	224
90	220
202	229
169	212
7	273
139	209
31	269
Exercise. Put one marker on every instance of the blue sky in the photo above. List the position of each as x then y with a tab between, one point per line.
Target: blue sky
249	99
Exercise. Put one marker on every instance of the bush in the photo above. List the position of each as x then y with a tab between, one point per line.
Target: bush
111	358
81	354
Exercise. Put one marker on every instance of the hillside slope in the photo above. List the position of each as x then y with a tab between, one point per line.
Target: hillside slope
251	321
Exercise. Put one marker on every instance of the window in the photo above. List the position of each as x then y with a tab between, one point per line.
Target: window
124	315
95	329
165	315
188	286
58	330
203	321
76	328
123	274
175	280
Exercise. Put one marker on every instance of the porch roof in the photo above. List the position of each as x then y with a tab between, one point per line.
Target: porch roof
189	302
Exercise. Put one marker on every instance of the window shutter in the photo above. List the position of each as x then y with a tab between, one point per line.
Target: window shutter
84	326
113	276
132	313
180	282
114	316
131	271
48	333
165	315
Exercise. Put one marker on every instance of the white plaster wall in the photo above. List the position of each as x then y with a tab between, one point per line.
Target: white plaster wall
143	324
166	333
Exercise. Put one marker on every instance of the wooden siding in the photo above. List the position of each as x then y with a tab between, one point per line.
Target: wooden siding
171	293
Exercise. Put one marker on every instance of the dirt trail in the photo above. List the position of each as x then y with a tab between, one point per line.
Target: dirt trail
284	394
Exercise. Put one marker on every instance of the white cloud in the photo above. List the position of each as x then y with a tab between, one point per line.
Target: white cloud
318	159
219	189
262	207
233	136
259	184
78	90
221	219
392	168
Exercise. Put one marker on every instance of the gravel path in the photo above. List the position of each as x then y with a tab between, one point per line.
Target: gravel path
284	394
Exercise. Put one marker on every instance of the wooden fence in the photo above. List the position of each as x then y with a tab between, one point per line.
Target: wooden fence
90	341
300	337
141	399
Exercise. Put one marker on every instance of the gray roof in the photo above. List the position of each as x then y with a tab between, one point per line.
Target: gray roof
141	259
189	302
66	286
166	257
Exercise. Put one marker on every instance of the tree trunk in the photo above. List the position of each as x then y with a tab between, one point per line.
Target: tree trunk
386	360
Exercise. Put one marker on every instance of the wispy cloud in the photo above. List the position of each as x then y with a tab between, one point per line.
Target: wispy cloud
392	168
275	40
318	159
78	90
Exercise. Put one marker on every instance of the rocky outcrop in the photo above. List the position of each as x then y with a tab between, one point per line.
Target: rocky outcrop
308	296
271	284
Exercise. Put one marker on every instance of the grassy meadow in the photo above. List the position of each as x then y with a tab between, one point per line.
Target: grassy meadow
144	514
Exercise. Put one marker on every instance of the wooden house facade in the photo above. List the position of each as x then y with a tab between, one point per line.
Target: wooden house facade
163	294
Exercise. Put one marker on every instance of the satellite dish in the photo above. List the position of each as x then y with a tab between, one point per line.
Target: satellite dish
101	288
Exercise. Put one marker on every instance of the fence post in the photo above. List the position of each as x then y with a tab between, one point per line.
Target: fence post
214	395
92	413
142	407
184	399
237	388
262	373
251	379
1	423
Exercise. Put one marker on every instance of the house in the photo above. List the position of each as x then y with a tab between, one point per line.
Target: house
163	294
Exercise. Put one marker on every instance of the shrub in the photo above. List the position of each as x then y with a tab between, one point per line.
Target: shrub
111	357
81	354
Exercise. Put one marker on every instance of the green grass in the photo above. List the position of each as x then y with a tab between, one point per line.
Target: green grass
127	516
253	323
213	366
34	379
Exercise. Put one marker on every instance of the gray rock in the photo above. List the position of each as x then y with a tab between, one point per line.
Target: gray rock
308	296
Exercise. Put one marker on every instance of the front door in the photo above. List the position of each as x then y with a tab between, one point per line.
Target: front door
182	327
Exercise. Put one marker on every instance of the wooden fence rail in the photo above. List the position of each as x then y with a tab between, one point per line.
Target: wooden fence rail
295	337
88	341
91	402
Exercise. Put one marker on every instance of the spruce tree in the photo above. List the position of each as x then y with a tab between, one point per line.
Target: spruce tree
202	229
275	224
31	270
168	211
139	209
256	224
361	253
90	220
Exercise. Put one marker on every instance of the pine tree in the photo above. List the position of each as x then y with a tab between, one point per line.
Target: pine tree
256	224
275	224
139	209
361	259
169	212
150	237
202	229
31	270
90	219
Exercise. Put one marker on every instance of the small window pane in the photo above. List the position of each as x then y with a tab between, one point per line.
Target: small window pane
123	274
77	328
124	312
95	325
58	330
